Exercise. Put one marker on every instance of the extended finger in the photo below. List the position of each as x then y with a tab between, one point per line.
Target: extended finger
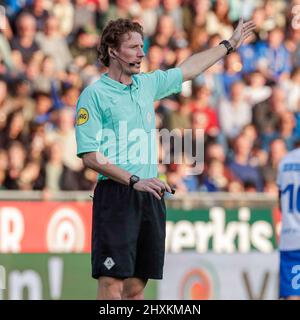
160	183
168	187
155	187
248	34
249	29
156	195
249	23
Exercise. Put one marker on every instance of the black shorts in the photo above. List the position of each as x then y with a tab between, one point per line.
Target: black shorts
128	232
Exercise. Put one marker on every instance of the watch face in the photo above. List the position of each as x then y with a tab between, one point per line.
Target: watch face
134	179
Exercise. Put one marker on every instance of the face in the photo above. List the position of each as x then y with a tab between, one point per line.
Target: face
51	25
131	50
276	38
237	90
243	145
166	25
277	150
26	26
155	55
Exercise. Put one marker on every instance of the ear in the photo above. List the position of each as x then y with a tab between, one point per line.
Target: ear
111	53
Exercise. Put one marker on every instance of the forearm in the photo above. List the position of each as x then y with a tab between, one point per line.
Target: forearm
96	161
199	62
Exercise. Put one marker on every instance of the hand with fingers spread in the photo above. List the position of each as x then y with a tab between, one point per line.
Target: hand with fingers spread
154	186
241	33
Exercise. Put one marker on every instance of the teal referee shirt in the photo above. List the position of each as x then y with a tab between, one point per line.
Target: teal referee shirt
119	120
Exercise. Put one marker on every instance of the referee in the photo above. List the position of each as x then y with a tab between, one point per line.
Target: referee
129	213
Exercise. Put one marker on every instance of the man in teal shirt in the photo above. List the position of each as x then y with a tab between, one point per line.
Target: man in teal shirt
115	133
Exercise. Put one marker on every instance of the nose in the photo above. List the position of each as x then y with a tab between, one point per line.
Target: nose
141	53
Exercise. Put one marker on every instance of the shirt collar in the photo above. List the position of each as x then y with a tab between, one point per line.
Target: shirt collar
118	85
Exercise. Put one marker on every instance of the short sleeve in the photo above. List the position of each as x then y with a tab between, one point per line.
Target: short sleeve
88	123
165	83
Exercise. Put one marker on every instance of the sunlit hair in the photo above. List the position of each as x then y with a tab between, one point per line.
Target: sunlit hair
112	36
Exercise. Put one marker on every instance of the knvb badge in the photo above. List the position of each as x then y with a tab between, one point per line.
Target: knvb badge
2	278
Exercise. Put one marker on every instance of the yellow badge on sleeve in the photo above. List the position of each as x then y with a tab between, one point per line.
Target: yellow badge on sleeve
82	116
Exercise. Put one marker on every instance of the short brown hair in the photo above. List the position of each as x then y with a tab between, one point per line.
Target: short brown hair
112	36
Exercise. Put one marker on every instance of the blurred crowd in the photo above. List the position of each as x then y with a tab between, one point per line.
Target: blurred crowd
247	105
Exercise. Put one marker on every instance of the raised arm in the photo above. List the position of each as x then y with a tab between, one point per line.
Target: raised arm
199	62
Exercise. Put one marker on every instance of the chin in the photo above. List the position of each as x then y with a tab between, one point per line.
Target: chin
135	70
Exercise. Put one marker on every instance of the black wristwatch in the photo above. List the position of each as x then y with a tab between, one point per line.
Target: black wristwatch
227	45
133	180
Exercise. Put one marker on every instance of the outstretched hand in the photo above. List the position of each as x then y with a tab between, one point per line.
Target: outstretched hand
241	33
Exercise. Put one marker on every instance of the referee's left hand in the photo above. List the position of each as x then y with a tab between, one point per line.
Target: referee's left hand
241	33
153	185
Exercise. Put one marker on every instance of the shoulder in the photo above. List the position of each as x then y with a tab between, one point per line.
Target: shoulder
292	156
145	75
91	90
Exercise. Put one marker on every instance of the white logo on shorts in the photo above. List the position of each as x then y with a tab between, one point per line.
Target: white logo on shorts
109	263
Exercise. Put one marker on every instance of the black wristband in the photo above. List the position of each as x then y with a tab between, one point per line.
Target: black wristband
133	180
227	45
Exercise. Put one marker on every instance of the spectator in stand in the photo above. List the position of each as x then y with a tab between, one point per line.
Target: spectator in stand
46	79
274	60
277	151
5	105
181	117
32	176
216	177
256	91
219	22
259	18
180	178
57	175
196	13
3	168
64	133
63	10
164	34
24	42
173	9
126	9
203	116
53	44
22	98
198	39
266	114
38	9
43	107
70	96
274	14
155	58
15	129
287	130
84	15
84	45
238	109
232	71
16	163
149	16
214	151
292	89
240	164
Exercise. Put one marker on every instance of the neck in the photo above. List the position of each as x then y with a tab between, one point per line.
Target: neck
241	159
117	75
